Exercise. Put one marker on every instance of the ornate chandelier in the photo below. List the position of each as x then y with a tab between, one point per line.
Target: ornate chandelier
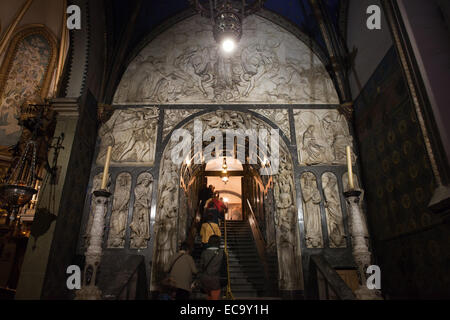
227	17
225	171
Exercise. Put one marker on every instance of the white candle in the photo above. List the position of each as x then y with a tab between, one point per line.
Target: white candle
106	169
349	168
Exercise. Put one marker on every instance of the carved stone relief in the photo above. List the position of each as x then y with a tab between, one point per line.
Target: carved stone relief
132	134
286	225
174	116
332	204
311	210
167	212
270	222
322	137
224	119
184	64
119	212
278	116
140	224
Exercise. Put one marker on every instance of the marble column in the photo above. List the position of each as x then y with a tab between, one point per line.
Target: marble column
89	290
360	249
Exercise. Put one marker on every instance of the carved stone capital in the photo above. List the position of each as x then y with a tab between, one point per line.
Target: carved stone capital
66	107
347	110
89	293
104	112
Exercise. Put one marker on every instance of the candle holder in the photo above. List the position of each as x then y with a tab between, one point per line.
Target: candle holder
89	290
360	248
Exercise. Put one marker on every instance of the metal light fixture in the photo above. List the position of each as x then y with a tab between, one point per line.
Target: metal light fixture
227	17
225	171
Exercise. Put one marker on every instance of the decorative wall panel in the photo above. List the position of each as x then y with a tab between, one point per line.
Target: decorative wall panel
311	210
140	224
184	65
132	134
28	70
119	213
322	137
332	204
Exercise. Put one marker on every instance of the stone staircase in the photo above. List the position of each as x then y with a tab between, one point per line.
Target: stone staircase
246	270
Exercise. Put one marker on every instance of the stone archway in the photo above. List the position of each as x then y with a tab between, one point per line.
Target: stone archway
281	183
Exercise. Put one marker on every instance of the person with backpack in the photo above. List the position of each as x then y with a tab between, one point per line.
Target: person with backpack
211	263
208	229
180	269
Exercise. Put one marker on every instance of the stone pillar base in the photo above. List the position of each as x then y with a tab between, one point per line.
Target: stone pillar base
364	293
89	293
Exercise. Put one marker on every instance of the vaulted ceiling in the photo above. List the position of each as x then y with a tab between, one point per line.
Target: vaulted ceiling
129	22
153	13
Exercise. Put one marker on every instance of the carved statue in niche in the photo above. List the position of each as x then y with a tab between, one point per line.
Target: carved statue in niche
270	221
336	233
140	225
322	137
96	184
132	134
166	222
286	225
311	206
119	214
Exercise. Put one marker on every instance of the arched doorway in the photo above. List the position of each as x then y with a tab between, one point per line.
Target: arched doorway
267	193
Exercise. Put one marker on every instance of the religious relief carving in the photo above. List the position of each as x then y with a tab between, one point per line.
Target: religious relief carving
174	116
140	225
167	211
270	222
332	204
311	210
184	64
119	213
286	225
224	119
96	184
132	134
25	76
322	137
278	116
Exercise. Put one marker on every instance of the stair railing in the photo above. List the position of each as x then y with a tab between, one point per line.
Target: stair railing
319	266
229	293
259	240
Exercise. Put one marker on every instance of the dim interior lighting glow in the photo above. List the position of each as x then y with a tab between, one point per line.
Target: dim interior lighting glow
228	45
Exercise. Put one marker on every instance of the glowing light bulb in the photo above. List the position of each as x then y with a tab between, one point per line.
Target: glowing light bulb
228	45
225	199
